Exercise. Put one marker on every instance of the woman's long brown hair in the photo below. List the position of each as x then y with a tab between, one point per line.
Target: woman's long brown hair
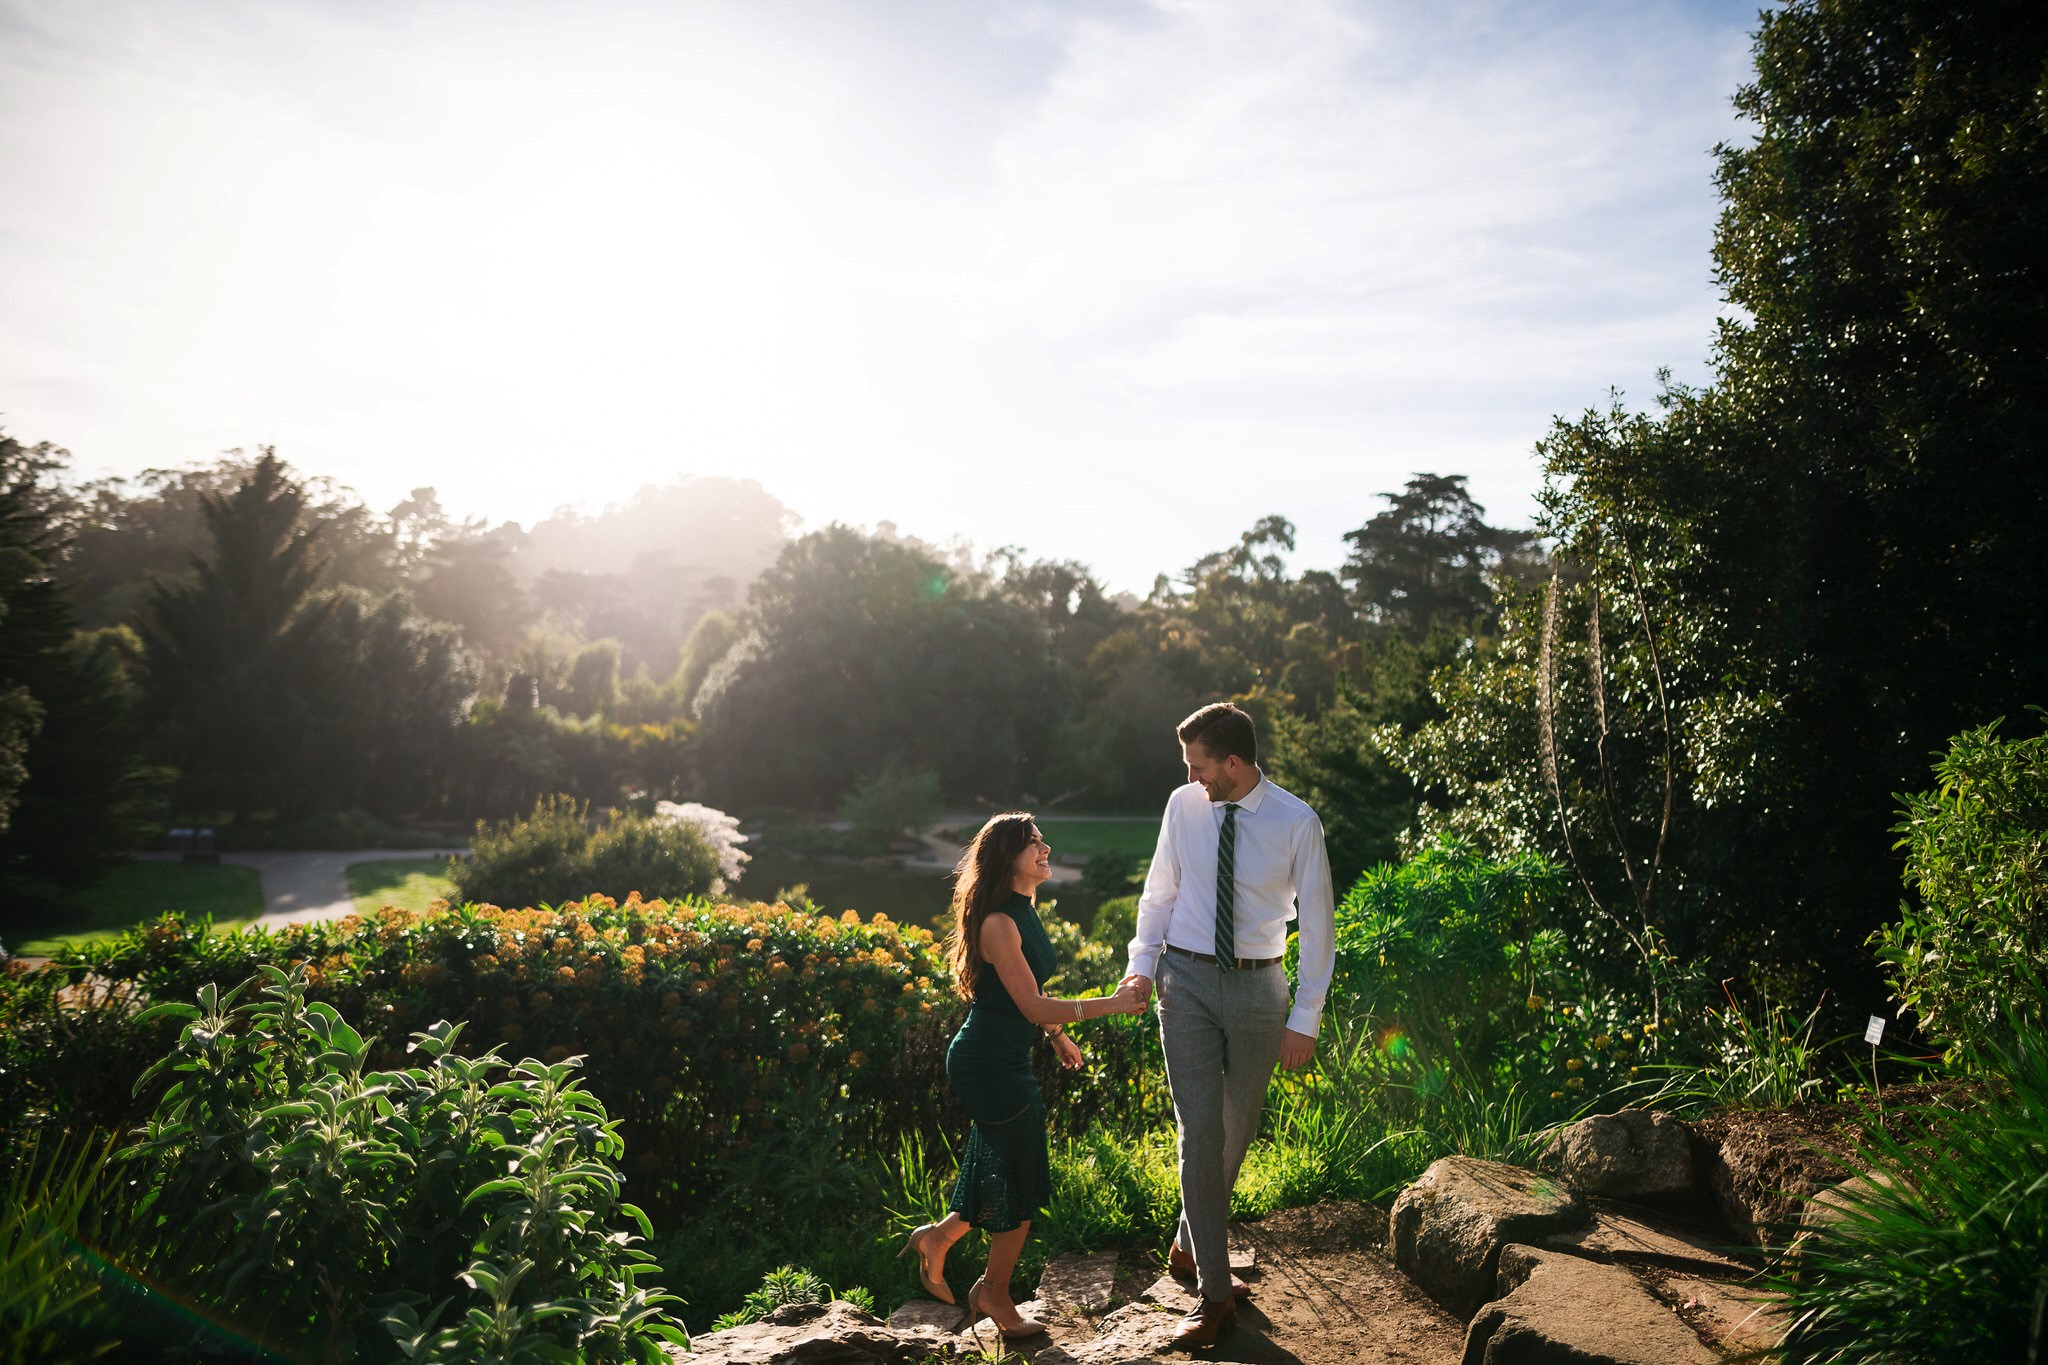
984	878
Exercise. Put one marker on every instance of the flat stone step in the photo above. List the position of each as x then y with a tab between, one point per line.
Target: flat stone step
1631	1237
1558	1307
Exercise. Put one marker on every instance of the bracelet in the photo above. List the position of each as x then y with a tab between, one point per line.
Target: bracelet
1077	1010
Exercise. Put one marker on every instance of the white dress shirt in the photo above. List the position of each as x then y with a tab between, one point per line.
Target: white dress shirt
1280	861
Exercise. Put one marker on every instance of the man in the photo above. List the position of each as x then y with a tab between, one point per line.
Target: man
1236	855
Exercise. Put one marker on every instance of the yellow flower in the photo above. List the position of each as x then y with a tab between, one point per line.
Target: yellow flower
1536	1002
1573	1064
1601	1040
1576	1083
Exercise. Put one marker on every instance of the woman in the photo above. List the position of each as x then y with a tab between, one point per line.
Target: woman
1001	958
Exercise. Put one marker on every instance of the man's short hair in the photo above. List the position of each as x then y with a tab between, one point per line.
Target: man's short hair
1223	730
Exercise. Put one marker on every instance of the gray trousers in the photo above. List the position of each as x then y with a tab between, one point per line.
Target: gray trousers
1221	1033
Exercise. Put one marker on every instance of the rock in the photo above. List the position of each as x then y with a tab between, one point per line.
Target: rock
820	1334
1738	1320
1558	1308
1079	1283
1135	1332
1628	1237
1762	1174
942	1317
1447	1229
1635	1154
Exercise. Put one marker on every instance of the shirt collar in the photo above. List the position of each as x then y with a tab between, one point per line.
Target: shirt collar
1250	800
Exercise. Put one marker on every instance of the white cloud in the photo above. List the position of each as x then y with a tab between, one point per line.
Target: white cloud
1006	273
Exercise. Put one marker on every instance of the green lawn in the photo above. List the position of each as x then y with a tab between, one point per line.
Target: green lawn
1135	837
408	883
135	893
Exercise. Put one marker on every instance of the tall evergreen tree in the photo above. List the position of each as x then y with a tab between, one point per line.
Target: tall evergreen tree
233	653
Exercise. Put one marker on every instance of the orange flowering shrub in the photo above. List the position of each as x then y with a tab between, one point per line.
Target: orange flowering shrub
706	1028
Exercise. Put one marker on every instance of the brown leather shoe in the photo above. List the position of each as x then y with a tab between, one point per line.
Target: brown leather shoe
1207	1321
1183	1267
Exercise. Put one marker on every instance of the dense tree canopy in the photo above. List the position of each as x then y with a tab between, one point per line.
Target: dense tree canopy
1785	591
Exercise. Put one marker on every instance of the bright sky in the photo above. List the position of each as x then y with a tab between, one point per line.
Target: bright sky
1105	280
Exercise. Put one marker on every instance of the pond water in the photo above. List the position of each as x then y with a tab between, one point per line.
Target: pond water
904	895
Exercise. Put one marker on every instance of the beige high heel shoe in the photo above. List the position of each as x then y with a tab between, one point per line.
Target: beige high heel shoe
934	1285
1026	1327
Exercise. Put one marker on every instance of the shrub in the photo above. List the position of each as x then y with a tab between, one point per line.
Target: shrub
708	1029
1944	1254
1976	848
1444	950
551	855
893	801
789	1284
314	1199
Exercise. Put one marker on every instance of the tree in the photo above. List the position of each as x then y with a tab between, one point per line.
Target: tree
73	789
1784	590
234	653
1426	559
860	654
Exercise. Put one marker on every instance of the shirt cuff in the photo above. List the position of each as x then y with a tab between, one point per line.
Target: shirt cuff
1304	1020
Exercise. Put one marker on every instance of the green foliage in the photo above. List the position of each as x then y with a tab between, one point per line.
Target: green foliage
552	855
318	1199
1977	854
923	665
73	790
1423	564
1943	1255
893	801
1442	950
785	1285
722	1039
60	1198
1769	1062
271	696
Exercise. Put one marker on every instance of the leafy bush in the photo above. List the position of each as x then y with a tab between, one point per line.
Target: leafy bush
552	855
893	801
1944	1254
1444	949
69	1058
709	1029
315	1198
789	1284
1976	846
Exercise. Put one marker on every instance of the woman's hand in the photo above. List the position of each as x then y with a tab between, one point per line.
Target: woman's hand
1068	1051
1130	997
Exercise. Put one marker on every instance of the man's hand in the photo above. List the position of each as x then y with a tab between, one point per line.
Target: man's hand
1068	1051
1295	1050
1142	984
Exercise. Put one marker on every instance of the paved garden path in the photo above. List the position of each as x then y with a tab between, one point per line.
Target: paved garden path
301	887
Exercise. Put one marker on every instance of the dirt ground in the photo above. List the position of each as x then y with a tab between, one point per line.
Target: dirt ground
1322	1294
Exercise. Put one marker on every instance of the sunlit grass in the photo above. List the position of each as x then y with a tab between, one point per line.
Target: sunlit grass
407	883
136	893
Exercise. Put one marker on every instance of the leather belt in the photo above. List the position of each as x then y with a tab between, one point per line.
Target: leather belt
1244	964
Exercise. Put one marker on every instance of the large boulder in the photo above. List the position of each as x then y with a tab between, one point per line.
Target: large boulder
1626	1235
1446	1230
1762	1167
1635	1154
820	1334
1556	1309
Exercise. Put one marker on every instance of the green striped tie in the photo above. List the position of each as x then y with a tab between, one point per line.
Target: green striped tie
1226	890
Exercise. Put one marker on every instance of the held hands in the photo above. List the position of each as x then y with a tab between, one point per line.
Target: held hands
1133	993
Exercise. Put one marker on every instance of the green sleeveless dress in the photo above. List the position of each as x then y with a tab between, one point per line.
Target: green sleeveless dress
1005	1173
